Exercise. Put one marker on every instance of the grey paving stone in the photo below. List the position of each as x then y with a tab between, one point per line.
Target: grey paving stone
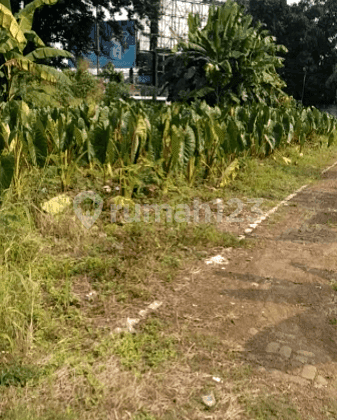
285	351
298	380
301	359
273	347
309	372
305	353
320	380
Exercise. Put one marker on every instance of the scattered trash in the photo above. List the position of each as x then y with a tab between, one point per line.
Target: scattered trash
153	306
209	400
216	379
44	190
130	322
218	259
287	160
186	248
91	295
57	204
255	284
119	330
107	189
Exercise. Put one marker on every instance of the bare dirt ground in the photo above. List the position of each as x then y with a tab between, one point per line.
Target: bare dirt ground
274	305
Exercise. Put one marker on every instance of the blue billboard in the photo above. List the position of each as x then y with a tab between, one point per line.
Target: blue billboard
121	54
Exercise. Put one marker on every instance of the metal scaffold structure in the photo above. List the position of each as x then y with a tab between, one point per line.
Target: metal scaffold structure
173	22
172	26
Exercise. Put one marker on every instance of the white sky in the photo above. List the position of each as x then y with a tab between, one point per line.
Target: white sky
124	16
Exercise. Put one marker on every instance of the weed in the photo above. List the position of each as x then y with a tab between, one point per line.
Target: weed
146	349
24	413
18	375
272	408
143	415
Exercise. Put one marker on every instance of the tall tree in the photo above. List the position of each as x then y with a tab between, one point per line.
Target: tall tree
308	30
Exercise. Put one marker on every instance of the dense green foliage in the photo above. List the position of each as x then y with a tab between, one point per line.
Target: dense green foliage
111	74
308	30
193	141
83	82
130	139
228	61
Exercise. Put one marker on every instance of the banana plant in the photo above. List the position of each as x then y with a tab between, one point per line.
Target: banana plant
227	61
15	32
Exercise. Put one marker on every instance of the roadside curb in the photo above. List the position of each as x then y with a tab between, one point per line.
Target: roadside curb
255	224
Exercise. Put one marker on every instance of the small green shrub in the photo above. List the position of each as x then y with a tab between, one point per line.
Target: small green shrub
115	91
16	375
111	74
83	83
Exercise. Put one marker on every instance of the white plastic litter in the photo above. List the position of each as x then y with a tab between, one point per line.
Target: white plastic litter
130	322
107	189
217	259
152	307
209	399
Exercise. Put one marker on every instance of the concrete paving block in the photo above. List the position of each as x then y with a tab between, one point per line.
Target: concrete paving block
309	372
305	353
273	347
301	359
253	331
298	380
320	380
285	351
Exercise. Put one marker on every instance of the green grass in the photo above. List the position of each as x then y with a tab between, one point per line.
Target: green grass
272	408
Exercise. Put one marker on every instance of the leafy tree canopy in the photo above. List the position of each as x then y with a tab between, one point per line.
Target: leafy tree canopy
309	31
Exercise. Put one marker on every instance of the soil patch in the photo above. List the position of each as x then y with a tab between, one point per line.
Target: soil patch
274	305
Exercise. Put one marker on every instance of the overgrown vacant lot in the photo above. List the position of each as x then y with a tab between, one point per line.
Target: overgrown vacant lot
65	289
223	311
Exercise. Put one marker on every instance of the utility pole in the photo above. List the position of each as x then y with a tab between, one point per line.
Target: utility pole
155	73
97	41
154	29
305	74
